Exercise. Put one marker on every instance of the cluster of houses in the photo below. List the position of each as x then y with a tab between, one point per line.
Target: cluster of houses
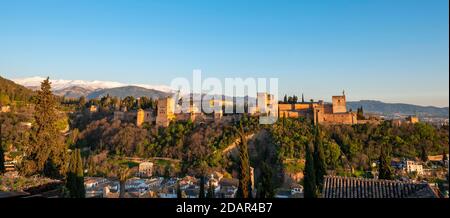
145	185
159	187
436	166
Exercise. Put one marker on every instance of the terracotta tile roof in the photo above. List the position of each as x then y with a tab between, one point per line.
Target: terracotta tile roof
350	187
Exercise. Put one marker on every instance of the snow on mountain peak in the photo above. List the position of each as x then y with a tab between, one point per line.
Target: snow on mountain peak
58	84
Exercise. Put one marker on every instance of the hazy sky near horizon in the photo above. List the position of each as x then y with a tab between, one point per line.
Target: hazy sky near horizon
389	50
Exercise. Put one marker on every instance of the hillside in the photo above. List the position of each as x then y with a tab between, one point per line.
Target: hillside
10	91
123	92
391	108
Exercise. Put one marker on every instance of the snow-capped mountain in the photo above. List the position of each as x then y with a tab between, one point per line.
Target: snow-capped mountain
59	84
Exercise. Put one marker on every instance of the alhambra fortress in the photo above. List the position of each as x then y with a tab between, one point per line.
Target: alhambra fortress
319	112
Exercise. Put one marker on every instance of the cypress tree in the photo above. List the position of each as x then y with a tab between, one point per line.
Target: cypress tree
310	177
360	113
261	193
244	189
285	99
82	102
211	192
265	187
320	165
123	174
424	153
179	194
75	178
2	152
71	177
384	170
80	175
2	158
202	187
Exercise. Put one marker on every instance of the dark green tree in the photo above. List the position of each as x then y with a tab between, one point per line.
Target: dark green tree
260	192
244	189
310	175
75	178
105	101
290	100
2	159
179	193
265	187
123	174
423	153
285	100
71	175
320	164
384	169
201	193
129	102
46	150
82	102
2	152
360	113
146	103
211	192
167	170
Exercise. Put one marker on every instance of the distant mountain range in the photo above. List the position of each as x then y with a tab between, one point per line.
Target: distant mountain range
59	84
95	89
398	108
123	92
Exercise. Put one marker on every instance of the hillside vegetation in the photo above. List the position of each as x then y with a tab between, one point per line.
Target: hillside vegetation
10	91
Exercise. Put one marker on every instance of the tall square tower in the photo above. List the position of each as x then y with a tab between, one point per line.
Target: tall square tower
166	107
339	104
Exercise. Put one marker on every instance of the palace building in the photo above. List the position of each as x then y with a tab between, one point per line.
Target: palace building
320	112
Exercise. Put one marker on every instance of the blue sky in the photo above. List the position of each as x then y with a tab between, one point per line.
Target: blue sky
390	50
